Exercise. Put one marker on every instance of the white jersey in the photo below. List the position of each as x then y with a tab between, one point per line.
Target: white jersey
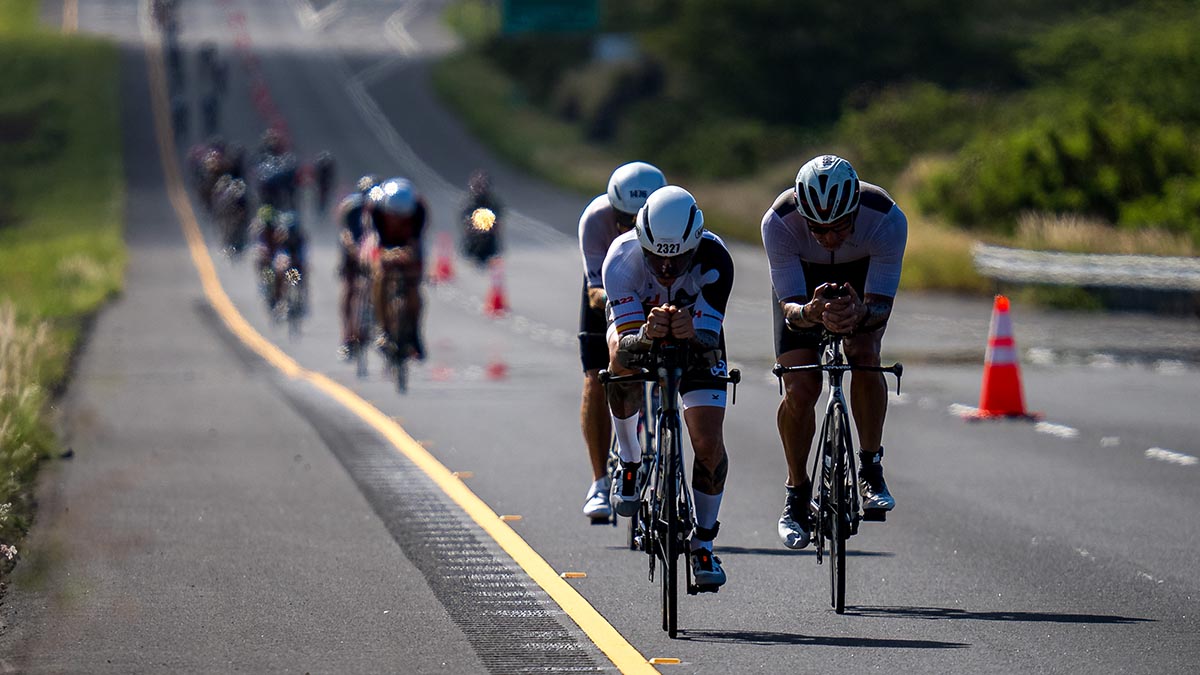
597	230
633	289
880	233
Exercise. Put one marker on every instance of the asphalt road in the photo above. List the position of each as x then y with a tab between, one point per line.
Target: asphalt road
219	515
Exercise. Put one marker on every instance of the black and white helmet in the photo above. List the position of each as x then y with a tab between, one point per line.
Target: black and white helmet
826	189
670	224
631	184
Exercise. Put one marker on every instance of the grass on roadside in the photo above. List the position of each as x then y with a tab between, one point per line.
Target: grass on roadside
61	212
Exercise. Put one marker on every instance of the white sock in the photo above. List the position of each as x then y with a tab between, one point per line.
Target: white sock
707	508
628	445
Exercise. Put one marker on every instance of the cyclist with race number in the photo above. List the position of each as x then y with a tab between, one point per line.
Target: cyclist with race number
607	217
396	217
350	217
835	245
671	279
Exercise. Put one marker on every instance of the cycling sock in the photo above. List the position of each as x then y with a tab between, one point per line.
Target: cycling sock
628	445
707	508
870	458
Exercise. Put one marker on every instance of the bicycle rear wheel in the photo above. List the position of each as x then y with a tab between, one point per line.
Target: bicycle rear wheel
840	516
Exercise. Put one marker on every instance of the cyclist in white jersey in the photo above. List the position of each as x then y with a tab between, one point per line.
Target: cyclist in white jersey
830	235
606	217
672	278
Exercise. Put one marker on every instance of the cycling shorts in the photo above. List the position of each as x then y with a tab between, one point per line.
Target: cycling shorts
593	346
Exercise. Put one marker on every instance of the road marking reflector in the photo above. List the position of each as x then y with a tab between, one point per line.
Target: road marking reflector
463	474
510	519
665	661
574	575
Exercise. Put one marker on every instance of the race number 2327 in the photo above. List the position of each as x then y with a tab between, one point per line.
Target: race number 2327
667	249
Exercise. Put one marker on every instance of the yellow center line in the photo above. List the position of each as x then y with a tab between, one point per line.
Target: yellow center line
623	655
70	22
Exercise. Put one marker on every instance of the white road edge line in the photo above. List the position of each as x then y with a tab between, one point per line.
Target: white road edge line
1164	455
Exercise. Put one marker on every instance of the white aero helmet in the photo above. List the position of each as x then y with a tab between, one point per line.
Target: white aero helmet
631	184
394	195
670	224
826	189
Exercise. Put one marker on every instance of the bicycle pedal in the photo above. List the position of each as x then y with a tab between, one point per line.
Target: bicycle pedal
874	515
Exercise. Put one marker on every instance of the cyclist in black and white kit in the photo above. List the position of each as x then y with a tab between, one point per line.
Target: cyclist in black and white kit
605	218
672	278
832	235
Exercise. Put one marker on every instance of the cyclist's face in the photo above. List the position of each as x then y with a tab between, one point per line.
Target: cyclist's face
832	235
668	269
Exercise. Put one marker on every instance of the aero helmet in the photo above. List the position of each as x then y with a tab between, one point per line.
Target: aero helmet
670	224
395	196
826	189
631	184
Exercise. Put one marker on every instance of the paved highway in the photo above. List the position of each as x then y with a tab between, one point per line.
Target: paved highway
229	511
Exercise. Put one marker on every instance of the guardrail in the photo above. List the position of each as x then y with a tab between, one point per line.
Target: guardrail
1087	269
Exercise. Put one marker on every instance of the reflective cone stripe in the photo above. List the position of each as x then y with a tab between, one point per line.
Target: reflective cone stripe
1000	394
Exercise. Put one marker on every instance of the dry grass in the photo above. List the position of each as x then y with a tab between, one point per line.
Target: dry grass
1079	234
24	436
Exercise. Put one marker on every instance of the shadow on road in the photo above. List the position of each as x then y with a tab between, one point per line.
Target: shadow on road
766	638
945	613
780	551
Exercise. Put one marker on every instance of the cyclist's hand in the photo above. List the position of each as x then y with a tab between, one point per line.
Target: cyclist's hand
842	314
681	324
658	324
597	298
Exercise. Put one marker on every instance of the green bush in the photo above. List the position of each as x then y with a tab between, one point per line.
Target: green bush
904	121
684	140
1086	159
1148	54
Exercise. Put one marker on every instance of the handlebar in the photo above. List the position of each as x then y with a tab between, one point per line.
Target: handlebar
896	369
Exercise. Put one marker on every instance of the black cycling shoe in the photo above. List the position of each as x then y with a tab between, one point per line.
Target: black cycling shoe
876	498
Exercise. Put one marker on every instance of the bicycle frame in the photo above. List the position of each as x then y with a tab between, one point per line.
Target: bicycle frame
838	507
667	517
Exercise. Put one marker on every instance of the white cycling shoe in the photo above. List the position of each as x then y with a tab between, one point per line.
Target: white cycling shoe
597	506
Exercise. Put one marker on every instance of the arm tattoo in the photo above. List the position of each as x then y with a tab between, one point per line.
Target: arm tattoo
877	314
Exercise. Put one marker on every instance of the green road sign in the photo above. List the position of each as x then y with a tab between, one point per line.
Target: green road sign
549	16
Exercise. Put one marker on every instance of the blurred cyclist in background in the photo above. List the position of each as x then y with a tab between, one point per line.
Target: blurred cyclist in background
351	218
396	217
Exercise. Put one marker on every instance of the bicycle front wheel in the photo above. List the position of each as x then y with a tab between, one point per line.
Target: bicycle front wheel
669	529
840	516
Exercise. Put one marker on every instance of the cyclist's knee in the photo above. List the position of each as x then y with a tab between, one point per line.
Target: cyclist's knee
801	390
863	350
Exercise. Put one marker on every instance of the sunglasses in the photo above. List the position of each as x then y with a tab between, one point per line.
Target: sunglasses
624	220
669	267
838	225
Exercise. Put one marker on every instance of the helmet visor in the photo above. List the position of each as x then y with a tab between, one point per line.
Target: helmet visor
669	267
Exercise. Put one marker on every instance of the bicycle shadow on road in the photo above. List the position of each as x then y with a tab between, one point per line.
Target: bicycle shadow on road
949	613
768	638
780	551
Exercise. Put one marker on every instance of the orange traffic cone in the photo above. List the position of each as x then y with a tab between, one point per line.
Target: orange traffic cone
495	305
1000	395
443	270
